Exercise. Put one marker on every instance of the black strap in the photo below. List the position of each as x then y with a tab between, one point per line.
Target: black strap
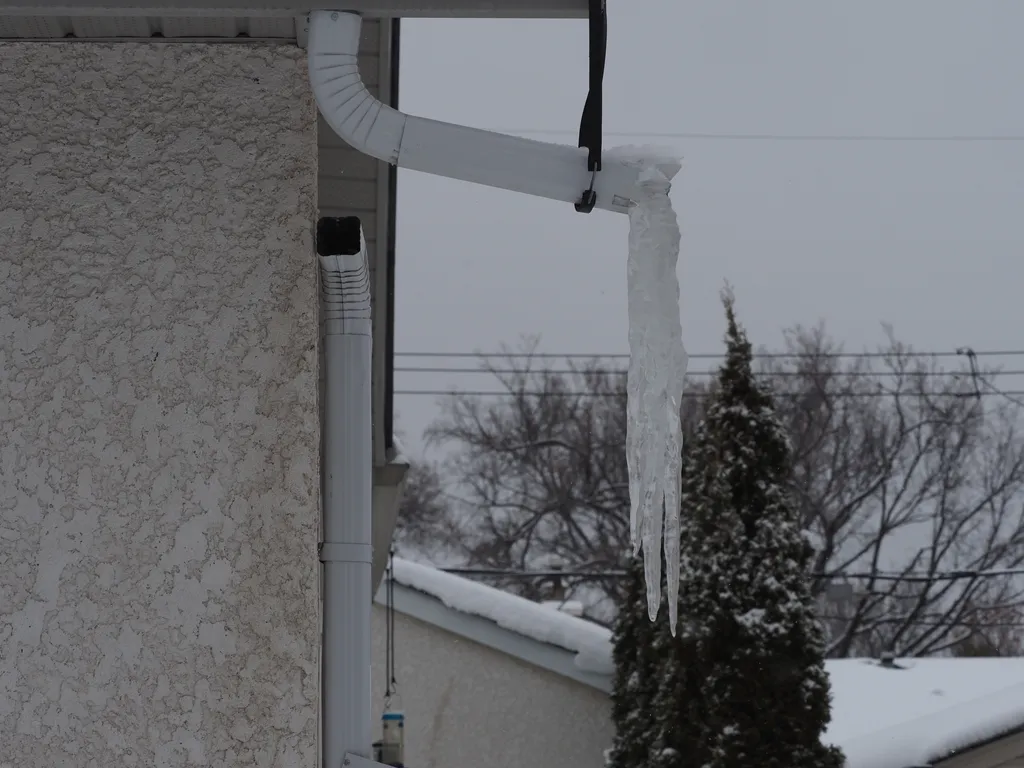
591	123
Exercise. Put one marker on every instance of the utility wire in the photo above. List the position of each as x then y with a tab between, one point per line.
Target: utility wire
391	676
1011	395
805	137
714	355
888	576
623	371
977	623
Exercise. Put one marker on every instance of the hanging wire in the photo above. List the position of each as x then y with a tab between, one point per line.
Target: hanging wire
915	354
391	678
882	576
1013	395
972	360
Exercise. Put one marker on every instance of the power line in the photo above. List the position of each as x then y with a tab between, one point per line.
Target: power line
994	390
623	371
977	623
887	576
1011	394
807	137
710	355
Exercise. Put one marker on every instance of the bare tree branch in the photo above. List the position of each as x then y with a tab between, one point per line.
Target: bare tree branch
925	480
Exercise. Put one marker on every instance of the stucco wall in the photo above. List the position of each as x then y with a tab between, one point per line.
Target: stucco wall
159	442
468	706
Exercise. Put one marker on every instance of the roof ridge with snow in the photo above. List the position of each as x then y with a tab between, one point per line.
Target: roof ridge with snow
590	642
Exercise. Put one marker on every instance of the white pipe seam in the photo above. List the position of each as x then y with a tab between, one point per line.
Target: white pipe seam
346	550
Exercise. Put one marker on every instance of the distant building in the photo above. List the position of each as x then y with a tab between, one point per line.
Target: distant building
486	676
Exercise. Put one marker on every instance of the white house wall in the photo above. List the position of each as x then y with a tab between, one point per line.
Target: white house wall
467	705
159	467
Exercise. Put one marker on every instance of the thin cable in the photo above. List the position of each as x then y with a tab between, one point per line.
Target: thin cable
713	355
391	683
887	576
976	624
623	372
1010	395
807	137
981	381
1013	397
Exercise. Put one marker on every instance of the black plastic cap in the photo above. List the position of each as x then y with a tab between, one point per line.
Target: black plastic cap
338	236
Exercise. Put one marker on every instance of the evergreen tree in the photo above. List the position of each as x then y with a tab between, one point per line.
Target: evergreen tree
636	674
671	745
748	683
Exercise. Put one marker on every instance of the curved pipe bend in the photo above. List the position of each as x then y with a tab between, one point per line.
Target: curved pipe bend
555	171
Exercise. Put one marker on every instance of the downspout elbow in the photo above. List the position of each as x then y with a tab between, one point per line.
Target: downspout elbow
555	171
345	282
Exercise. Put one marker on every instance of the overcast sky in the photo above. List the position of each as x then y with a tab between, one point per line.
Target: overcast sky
925	234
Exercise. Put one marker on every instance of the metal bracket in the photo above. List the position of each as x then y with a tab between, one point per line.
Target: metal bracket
356	761
342	552
589	199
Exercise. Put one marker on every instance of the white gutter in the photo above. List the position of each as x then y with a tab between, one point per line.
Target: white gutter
387	9
348	492
555	171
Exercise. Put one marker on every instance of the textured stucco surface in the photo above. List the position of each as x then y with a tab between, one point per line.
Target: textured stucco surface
468	706
159	444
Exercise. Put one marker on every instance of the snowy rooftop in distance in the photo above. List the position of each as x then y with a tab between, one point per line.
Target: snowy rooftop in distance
881	717
896	718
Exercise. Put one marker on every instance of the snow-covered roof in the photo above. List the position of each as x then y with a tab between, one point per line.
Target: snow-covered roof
572	607
400	454
916	713
924	711
591	643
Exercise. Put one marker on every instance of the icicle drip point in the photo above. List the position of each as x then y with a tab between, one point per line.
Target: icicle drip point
657	369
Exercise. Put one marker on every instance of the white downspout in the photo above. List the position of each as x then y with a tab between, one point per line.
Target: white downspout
348	492
554	171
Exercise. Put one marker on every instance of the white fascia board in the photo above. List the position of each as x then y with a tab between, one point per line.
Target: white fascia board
470	9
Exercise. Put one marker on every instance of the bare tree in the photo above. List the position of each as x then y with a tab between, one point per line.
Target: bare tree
903	474
1002	635
427	526
541	472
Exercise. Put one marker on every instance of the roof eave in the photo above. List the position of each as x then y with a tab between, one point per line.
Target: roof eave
486	9
430	610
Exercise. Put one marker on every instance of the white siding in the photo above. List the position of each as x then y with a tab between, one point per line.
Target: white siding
468	706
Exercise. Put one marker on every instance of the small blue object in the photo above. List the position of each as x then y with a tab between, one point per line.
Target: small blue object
393	716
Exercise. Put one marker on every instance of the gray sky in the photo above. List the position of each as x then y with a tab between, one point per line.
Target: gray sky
925	235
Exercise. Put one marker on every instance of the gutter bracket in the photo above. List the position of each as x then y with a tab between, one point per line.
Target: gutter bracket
588	201
345	552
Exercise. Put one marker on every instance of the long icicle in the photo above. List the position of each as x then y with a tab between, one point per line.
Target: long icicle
655	383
